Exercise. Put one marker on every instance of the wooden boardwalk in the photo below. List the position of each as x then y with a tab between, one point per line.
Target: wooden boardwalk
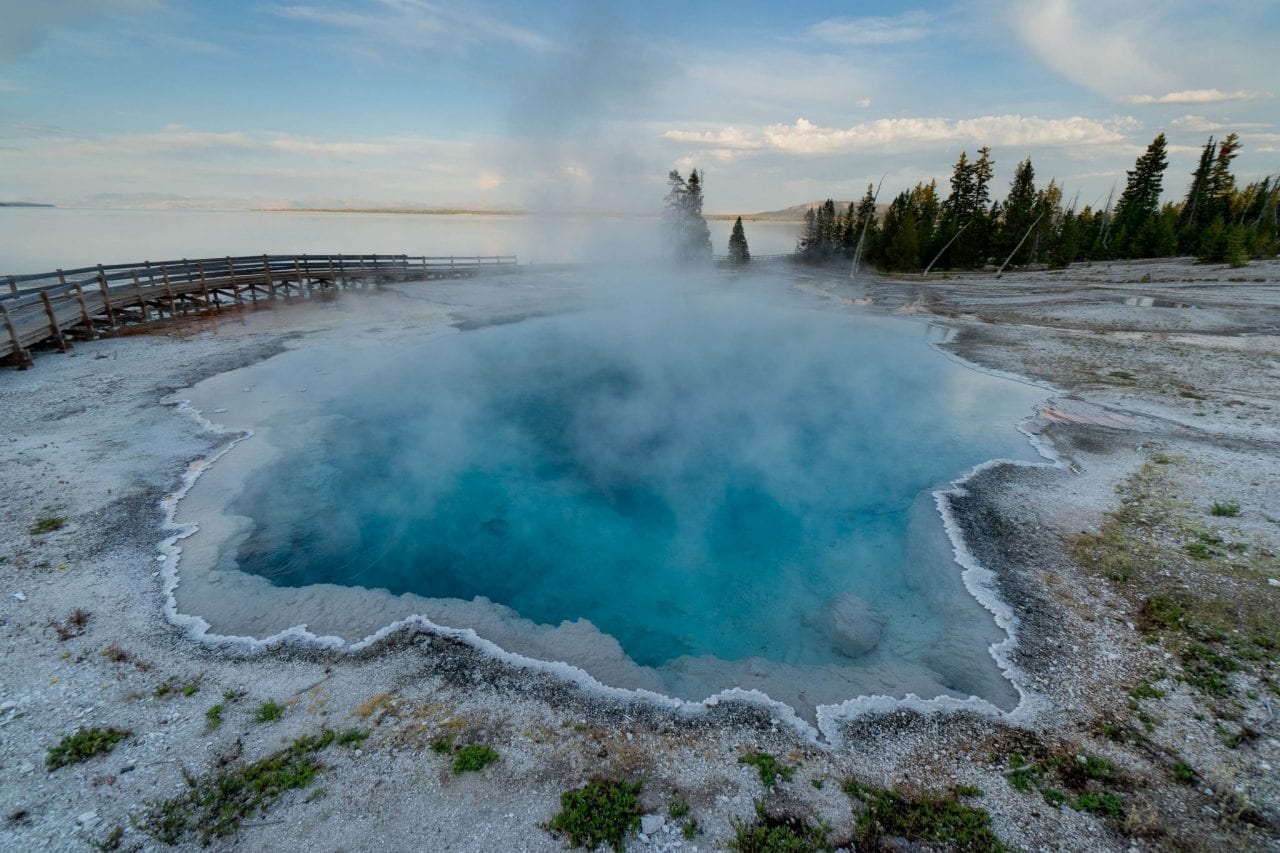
50	308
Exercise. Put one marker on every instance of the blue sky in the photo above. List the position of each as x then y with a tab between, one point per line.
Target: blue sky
587	105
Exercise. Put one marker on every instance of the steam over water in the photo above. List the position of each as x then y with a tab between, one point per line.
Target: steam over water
736	491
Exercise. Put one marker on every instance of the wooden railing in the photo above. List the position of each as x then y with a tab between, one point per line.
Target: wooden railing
48	307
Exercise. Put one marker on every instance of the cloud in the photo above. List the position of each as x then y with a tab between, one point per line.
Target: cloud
29	23
1200	124
1196	96
909	26
728	137
805	137
1103	52
415	23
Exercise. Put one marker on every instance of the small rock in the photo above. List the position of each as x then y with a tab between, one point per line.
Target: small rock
128	768
219	411
7	706
21	596
87	817
1273	582
652	823
26	767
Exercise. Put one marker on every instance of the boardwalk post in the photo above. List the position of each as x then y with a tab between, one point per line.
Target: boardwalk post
84	310
53	321
24	360
297	270
204	286
266	270
142	302
13	286
106	297
231	268
333	276
173	303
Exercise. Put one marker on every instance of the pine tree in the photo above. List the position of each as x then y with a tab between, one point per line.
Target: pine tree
1192	220
1018	214
865	228
967	209
1136	211
687	231
738	251
1222	184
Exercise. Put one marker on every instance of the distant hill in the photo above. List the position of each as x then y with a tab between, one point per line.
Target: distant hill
795	213
23	204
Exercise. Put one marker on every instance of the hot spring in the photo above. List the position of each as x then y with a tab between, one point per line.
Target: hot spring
684	492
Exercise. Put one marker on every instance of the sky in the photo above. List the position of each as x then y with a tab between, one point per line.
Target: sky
588	105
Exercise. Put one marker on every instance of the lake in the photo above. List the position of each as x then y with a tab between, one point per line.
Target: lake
43	239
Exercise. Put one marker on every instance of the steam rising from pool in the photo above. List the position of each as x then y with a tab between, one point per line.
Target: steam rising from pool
685	492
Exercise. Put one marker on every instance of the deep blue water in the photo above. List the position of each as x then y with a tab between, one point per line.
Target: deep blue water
695	478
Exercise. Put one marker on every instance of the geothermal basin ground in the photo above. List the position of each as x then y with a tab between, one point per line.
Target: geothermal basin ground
1134	591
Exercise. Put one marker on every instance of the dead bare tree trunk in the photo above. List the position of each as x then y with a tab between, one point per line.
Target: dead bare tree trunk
1000	271
944	250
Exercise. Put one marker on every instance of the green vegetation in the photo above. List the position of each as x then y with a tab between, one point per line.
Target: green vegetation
473	757
213	716
48	524
738	251
83	745
442	745
686	228
1183	773
351	738
968	229
215	806
770	768
773	834
1090	779
268	712
604	811
1200	596
930	819
678	809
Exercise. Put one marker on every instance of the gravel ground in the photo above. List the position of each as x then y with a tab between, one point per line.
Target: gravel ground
84	437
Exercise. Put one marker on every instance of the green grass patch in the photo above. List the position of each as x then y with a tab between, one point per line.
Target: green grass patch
215	806
602	812
1183	773
213	716
83	745
778	834
769	768
48	524
268	712
941	820
473	757
351	738
678	809
1229	509
1102	803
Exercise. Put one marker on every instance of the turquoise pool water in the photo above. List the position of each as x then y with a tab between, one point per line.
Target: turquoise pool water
716	481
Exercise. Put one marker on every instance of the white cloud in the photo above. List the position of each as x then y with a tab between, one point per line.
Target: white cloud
728	138
1200	124
1196	96
805	137
1103	52
909	26
415	23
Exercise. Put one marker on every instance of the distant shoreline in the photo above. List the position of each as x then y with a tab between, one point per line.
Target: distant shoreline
442	211
720	217
25	204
